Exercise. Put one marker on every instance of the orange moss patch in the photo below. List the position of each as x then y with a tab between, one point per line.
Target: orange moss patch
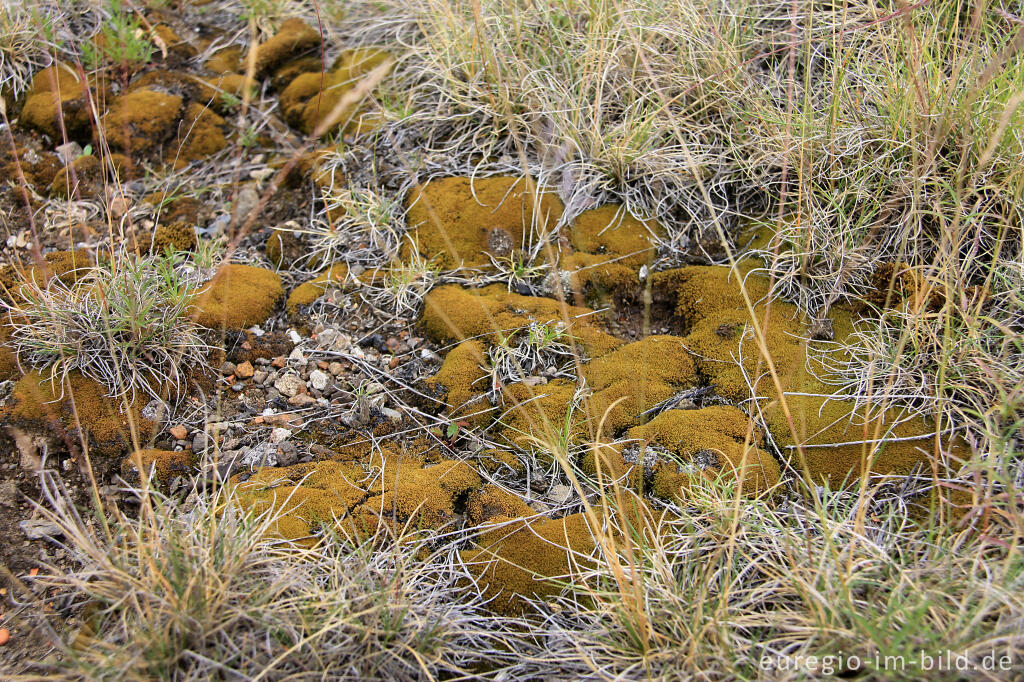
840	444
238	296
311	97
293	38
707	443
57	90
43	406
161	465
538	415
491	501
641	374
308	292
84	175
226	60
452	313
452	219
354	499
463	381
200	134
141	120
612	232
595	279
517	559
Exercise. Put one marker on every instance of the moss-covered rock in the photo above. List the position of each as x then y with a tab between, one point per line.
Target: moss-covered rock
308	292
462	380
454	220
200	134
612	232
293	38
177	236
238	296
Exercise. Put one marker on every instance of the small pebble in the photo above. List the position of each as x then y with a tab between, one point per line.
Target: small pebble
244	370
5	636
179	431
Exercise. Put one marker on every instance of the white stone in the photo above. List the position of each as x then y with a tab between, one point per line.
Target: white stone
318	380
289	384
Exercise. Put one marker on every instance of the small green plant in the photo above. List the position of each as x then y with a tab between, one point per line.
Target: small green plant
538	352
122	41
124	323
249	137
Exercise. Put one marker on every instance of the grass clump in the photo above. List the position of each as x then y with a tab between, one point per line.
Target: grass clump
124	324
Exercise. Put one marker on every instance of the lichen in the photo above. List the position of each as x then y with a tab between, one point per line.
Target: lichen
450	218
238	296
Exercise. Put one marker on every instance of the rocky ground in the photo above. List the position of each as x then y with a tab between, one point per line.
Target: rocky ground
472	365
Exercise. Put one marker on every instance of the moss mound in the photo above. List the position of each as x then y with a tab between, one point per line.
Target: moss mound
161	465
142	120
462	380
638	375
612	232
177	236
311	97
67	266
57	92
452	313
238	296
355	497
200	134
308	292
293	38
520	558
456	219
79	410
706	443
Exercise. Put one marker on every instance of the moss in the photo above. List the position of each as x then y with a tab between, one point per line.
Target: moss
9	368
707	443
142	120
162	465
39	169
284	247
839	444
68	266
615	234
639	375
311	97
293	38
176	48
596	280
463	381
452	313
518	559
536	416
57	95
226	60
491	501
84	176
308	292
450	219
200	134
179	236
238	296
355	496
291	70
42	405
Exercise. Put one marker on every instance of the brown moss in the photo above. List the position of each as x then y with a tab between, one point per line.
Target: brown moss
200	134
615	234
452	313
311	97
839	444
599	282
354	497
238	296
57	94
463	381
9	368
708	443
161	465
639	375
284	247
293	38
226	60
449	219
308	292
142	120
38	168
82	178
67	266
179	236
528	559
176	48
45	406
491	501
291	70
